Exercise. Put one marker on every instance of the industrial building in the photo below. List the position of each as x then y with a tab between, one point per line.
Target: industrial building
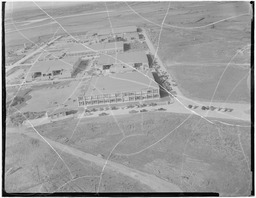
123	61
120	88
77	49
50	69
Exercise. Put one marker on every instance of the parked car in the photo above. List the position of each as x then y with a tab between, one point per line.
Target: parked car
143	110
213	108
103	114
133	111
205	108
114	108
130	106
161	109
190	106
152	104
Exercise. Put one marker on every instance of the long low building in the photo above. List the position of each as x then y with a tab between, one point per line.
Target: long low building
127	60
58	68
78	49
120	88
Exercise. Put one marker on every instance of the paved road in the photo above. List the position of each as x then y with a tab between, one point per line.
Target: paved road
176	108
239	111
155	183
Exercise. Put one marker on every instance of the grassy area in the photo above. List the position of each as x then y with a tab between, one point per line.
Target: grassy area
199	82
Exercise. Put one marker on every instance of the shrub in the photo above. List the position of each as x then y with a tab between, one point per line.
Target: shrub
17	100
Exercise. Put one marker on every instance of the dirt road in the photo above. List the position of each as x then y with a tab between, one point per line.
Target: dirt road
155	183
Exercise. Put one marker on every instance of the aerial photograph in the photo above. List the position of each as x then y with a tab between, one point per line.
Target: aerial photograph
127	97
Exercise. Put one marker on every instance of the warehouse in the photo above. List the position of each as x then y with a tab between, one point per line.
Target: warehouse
50	69
120	88
136	60
80	50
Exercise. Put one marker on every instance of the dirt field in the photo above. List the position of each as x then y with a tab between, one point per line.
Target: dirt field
189	78
32	166
52	96
197	156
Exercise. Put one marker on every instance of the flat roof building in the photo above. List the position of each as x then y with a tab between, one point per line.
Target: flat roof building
136	60
50	69
77	49
119	88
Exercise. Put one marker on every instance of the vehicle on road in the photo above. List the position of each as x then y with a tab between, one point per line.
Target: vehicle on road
103	114
161	109
114	108
130	106
133	111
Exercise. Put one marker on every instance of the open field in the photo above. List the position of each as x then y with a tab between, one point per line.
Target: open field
31	166
167	149
190	78
197	156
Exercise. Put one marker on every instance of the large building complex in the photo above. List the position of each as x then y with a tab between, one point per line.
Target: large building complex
120	88
123	61
78	49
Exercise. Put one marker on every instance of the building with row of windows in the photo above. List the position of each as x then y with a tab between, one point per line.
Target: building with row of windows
120	88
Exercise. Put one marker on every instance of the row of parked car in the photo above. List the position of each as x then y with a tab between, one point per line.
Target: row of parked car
144	110
212	108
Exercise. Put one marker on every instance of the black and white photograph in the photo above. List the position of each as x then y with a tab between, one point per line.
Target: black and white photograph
123	98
